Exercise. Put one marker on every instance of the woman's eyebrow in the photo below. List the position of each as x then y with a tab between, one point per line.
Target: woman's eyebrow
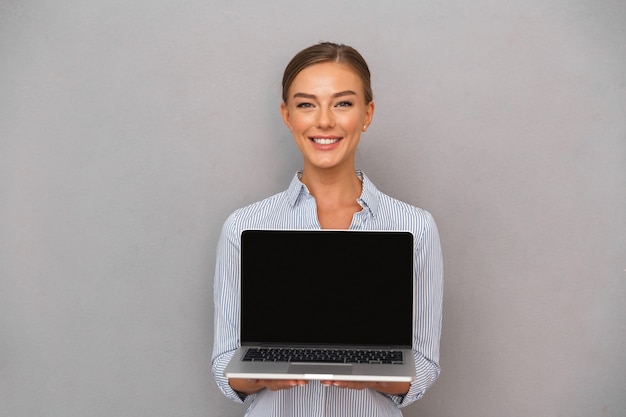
312	96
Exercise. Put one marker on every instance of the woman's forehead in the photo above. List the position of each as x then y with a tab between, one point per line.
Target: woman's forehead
327	75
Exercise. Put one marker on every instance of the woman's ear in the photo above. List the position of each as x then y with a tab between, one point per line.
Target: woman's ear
369	114
284	112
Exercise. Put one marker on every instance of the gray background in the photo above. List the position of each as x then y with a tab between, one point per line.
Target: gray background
130	129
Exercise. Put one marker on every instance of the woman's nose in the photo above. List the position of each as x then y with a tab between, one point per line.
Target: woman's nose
325	119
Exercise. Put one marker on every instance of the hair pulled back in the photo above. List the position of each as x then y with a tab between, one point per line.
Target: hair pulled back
328	52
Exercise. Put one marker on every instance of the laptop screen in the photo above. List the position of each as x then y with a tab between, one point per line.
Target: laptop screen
327	287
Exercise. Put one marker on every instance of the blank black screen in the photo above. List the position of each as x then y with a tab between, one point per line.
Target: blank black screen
327	287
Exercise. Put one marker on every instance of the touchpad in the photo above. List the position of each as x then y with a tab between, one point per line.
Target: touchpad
322	369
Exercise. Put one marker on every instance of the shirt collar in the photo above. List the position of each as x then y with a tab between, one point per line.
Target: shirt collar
296	189
368	199
369	195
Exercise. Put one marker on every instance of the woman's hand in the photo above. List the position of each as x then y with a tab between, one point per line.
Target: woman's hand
252	386
396	388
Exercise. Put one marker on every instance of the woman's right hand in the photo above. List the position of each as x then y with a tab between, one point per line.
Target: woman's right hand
252	386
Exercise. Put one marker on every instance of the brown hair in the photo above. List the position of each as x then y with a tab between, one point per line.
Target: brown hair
328	52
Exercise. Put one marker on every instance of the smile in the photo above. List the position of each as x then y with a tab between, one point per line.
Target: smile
325	141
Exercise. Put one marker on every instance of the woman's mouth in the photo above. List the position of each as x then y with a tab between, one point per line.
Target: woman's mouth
325	141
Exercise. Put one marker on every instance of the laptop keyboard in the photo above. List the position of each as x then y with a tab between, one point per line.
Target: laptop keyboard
323	355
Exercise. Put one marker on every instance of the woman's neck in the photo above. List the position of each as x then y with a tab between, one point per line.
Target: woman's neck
332	186
335	195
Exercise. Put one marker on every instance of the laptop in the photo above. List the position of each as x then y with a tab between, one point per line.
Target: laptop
325	305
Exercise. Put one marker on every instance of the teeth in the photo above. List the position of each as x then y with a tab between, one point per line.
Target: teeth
320	141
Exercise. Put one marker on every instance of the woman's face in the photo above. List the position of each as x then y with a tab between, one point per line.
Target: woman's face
326	113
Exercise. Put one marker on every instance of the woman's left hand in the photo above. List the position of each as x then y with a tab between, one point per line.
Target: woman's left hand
397	388
350	384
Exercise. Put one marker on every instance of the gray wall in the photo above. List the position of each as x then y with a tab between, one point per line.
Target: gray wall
130	129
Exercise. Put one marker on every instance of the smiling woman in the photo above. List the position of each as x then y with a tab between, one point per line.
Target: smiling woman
327	105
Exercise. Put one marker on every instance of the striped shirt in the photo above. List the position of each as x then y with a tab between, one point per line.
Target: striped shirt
295	208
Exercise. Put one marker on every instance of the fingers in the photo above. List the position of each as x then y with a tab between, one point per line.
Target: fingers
279	384
358	385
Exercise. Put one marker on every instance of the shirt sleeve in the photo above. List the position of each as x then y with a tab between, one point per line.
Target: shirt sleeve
226	306
428	296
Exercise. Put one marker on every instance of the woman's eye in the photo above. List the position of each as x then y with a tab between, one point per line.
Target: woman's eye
344	104
304	105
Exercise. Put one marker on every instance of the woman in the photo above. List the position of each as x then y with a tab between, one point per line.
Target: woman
327	105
